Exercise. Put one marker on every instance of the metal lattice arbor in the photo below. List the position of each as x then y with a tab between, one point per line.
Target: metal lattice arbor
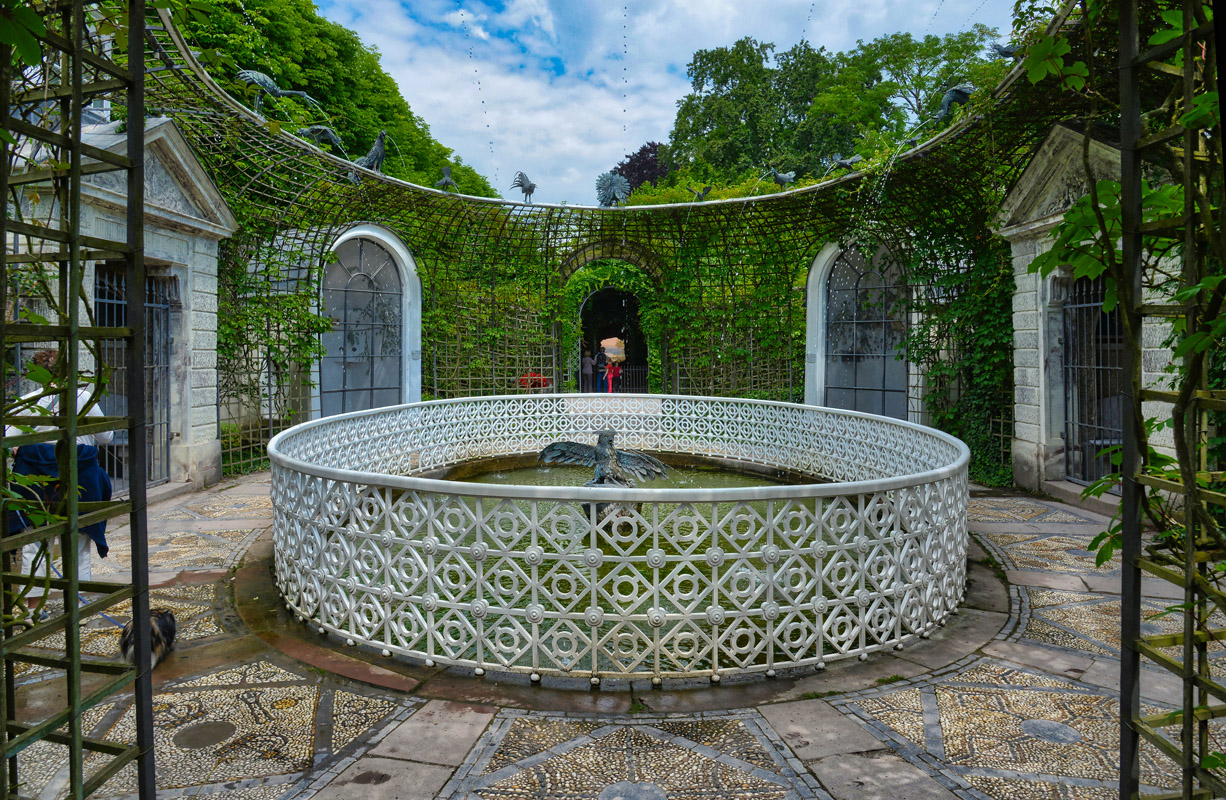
1186	550
494	274
46	252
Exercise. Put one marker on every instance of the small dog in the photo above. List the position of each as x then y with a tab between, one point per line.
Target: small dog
161	637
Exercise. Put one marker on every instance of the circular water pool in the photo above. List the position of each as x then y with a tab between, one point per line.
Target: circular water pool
863	548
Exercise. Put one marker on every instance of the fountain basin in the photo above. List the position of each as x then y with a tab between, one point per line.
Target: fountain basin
676	583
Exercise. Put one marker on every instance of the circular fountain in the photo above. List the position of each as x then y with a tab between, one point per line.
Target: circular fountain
373	546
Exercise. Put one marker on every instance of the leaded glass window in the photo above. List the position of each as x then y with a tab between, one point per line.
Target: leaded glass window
866	330
363	294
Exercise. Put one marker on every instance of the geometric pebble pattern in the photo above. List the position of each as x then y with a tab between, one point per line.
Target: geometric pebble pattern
1053	553
194	616
1018	509
243	724
728	755
996	726
539	581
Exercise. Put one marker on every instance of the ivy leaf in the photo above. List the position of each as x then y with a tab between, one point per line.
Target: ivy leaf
1205	112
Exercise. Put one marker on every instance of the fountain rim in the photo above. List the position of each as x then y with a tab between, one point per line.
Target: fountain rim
604	495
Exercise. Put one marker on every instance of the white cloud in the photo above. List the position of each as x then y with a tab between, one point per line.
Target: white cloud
467	20
546	76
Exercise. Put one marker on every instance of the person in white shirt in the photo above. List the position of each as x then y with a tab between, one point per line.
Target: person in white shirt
39	459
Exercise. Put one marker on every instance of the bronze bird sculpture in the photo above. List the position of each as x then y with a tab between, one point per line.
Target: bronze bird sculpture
612	189
372	160
782	178
525	185
1005	51
613	467
848	163
699	196
958	95
267	85
446	183
321	134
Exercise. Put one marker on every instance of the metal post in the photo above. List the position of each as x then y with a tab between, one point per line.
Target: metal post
138	431
1130	505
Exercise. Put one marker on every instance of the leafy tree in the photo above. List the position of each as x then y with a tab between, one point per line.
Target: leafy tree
729	119
646	165
745	114
918	71
292	43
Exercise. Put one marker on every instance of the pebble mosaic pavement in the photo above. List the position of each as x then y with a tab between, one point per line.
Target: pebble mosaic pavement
270	728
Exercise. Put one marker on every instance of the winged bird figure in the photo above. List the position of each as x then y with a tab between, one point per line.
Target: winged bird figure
267	85
374	159
911	142
613	467
321	134
958	95
525	185
446	183
848	163
699	196
1005	51
782	178
612	189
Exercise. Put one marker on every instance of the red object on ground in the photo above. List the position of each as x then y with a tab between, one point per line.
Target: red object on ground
534	380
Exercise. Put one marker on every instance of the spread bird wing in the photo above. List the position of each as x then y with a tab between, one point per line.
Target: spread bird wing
569	453
641	465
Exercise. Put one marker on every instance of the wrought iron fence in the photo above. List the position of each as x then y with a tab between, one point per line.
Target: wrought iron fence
545	580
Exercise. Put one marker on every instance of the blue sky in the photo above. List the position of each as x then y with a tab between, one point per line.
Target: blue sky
563	90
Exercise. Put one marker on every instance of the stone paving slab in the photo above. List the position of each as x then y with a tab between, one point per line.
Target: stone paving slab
814	729
442	732
375	778
876	776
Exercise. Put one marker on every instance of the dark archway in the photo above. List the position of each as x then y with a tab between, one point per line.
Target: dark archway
610	314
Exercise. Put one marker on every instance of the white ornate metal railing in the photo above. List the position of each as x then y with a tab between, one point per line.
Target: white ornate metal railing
677	582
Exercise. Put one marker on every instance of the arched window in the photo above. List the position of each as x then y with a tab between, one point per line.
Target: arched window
363	293
866	329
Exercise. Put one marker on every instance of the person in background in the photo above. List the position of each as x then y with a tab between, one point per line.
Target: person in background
39	459
586	372
602	365
615	377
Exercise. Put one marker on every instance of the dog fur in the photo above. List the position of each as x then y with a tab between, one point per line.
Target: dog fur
162	629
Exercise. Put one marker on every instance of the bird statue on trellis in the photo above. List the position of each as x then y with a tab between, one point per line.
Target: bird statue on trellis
267	85
612	189
911	142
783	178
525	185
372	160
699	196
321	134
958	95
613	467
848	163
446	184
1005	51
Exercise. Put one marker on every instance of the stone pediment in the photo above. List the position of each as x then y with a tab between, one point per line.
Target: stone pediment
178	192
1054	180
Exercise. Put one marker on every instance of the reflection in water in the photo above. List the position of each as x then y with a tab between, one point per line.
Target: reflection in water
677	478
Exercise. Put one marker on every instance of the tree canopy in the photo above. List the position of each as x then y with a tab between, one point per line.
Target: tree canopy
290	42
750	109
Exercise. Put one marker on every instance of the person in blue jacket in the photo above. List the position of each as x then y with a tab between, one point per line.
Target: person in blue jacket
39	459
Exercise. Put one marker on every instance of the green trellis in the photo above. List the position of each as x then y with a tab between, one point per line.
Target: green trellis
494	273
